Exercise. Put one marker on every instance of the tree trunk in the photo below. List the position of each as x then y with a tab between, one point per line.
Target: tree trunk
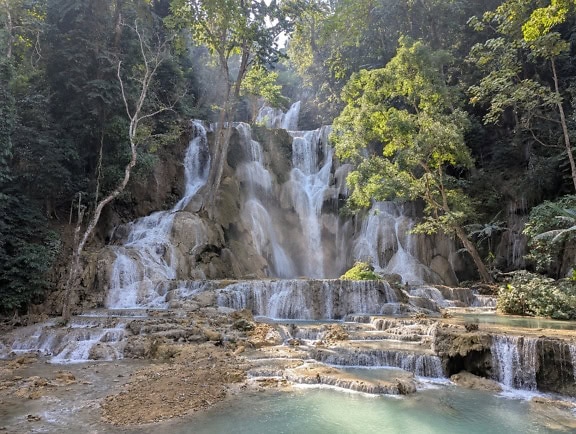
79	244
564	125
135	116
471	248
9	30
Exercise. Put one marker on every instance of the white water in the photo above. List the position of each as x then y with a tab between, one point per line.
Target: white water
386	230
309	179
514	360
275	118
258	183
304	299
147	259
423	365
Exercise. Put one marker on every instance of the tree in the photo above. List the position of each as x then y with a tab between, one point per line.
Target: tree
259	85
513	81
243	30
551	229
403	129
152	58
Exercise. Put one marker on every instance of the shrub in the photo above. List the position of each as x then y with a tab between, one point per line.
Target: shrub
360	271
536	295
550	229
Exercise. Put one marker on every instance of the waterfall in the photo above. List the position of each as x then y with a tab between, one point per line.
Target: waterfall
385	241
276	118
258	183
308	299
572	350
147	258
514	360
424	365
263	230
309	180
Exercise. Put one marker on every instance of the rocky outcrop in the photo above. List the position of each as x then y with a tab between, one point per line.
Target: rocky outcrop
556	370
471	381
315	373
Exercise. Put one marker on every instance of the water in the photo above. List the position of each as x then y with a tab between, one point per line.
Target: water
309	180
276	118
255	215
385	242
308	299
514	360
147	258
515	321
443	410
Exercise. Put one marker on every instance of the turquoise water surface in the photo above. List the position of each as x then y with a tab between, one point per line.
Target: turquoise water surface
442	409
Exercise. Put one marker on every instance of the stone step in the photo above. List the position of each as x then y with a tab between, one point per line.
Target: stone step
400	383
411	357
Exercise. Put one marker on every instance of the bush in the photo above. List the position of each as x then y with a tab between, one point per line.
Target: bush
535	295
550	230
360	271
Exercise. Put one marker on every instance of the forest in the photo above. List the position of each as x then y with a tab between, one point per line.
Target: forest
468	107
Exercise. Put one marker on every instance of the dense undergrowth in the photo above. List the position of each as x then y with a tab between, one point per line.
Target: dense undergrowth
535	295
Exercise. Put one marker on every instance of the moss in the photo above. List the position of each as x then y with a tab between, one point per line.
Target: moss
360	271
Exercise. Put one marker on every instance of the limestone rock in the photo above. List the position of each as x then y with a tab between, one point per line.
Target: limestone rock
471	381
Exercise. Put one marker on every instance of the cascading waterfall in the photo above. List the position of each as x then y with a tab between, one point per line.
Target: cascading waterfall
276	118
147	258
572	350
308	299
258	183
424	365
309	180
256	217
387	230
514	360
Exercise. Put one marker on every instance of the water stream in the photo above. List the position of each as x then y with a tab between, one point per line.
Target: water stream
147	259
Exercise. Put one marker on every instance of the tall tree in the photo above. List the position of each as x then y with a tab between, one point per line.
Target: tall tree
404	130
515	83
152	58
243	31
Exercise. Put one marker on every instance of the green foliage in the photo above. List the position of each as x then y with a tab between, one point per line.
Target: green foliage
7	119
551	228
487	231
27	251
535	295
516	87
360	271
260	84
408	110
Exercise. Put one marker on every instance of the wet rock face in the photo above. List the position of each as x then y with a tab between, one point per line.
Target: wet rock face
555	368
543	364
463	351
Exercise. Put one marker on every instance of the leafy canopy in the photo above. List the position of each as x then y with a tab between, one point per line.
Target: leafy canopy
402	128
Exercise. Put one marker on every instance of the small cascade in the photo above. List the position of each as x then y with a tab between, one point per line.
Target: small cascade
484	301
385	241
404	357
514	360
276	118
308	299
84	339
147	258
258	183
309	180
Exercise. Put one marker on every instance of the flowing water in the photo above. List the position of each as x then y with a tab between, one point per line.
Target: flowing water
147	259
316	245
